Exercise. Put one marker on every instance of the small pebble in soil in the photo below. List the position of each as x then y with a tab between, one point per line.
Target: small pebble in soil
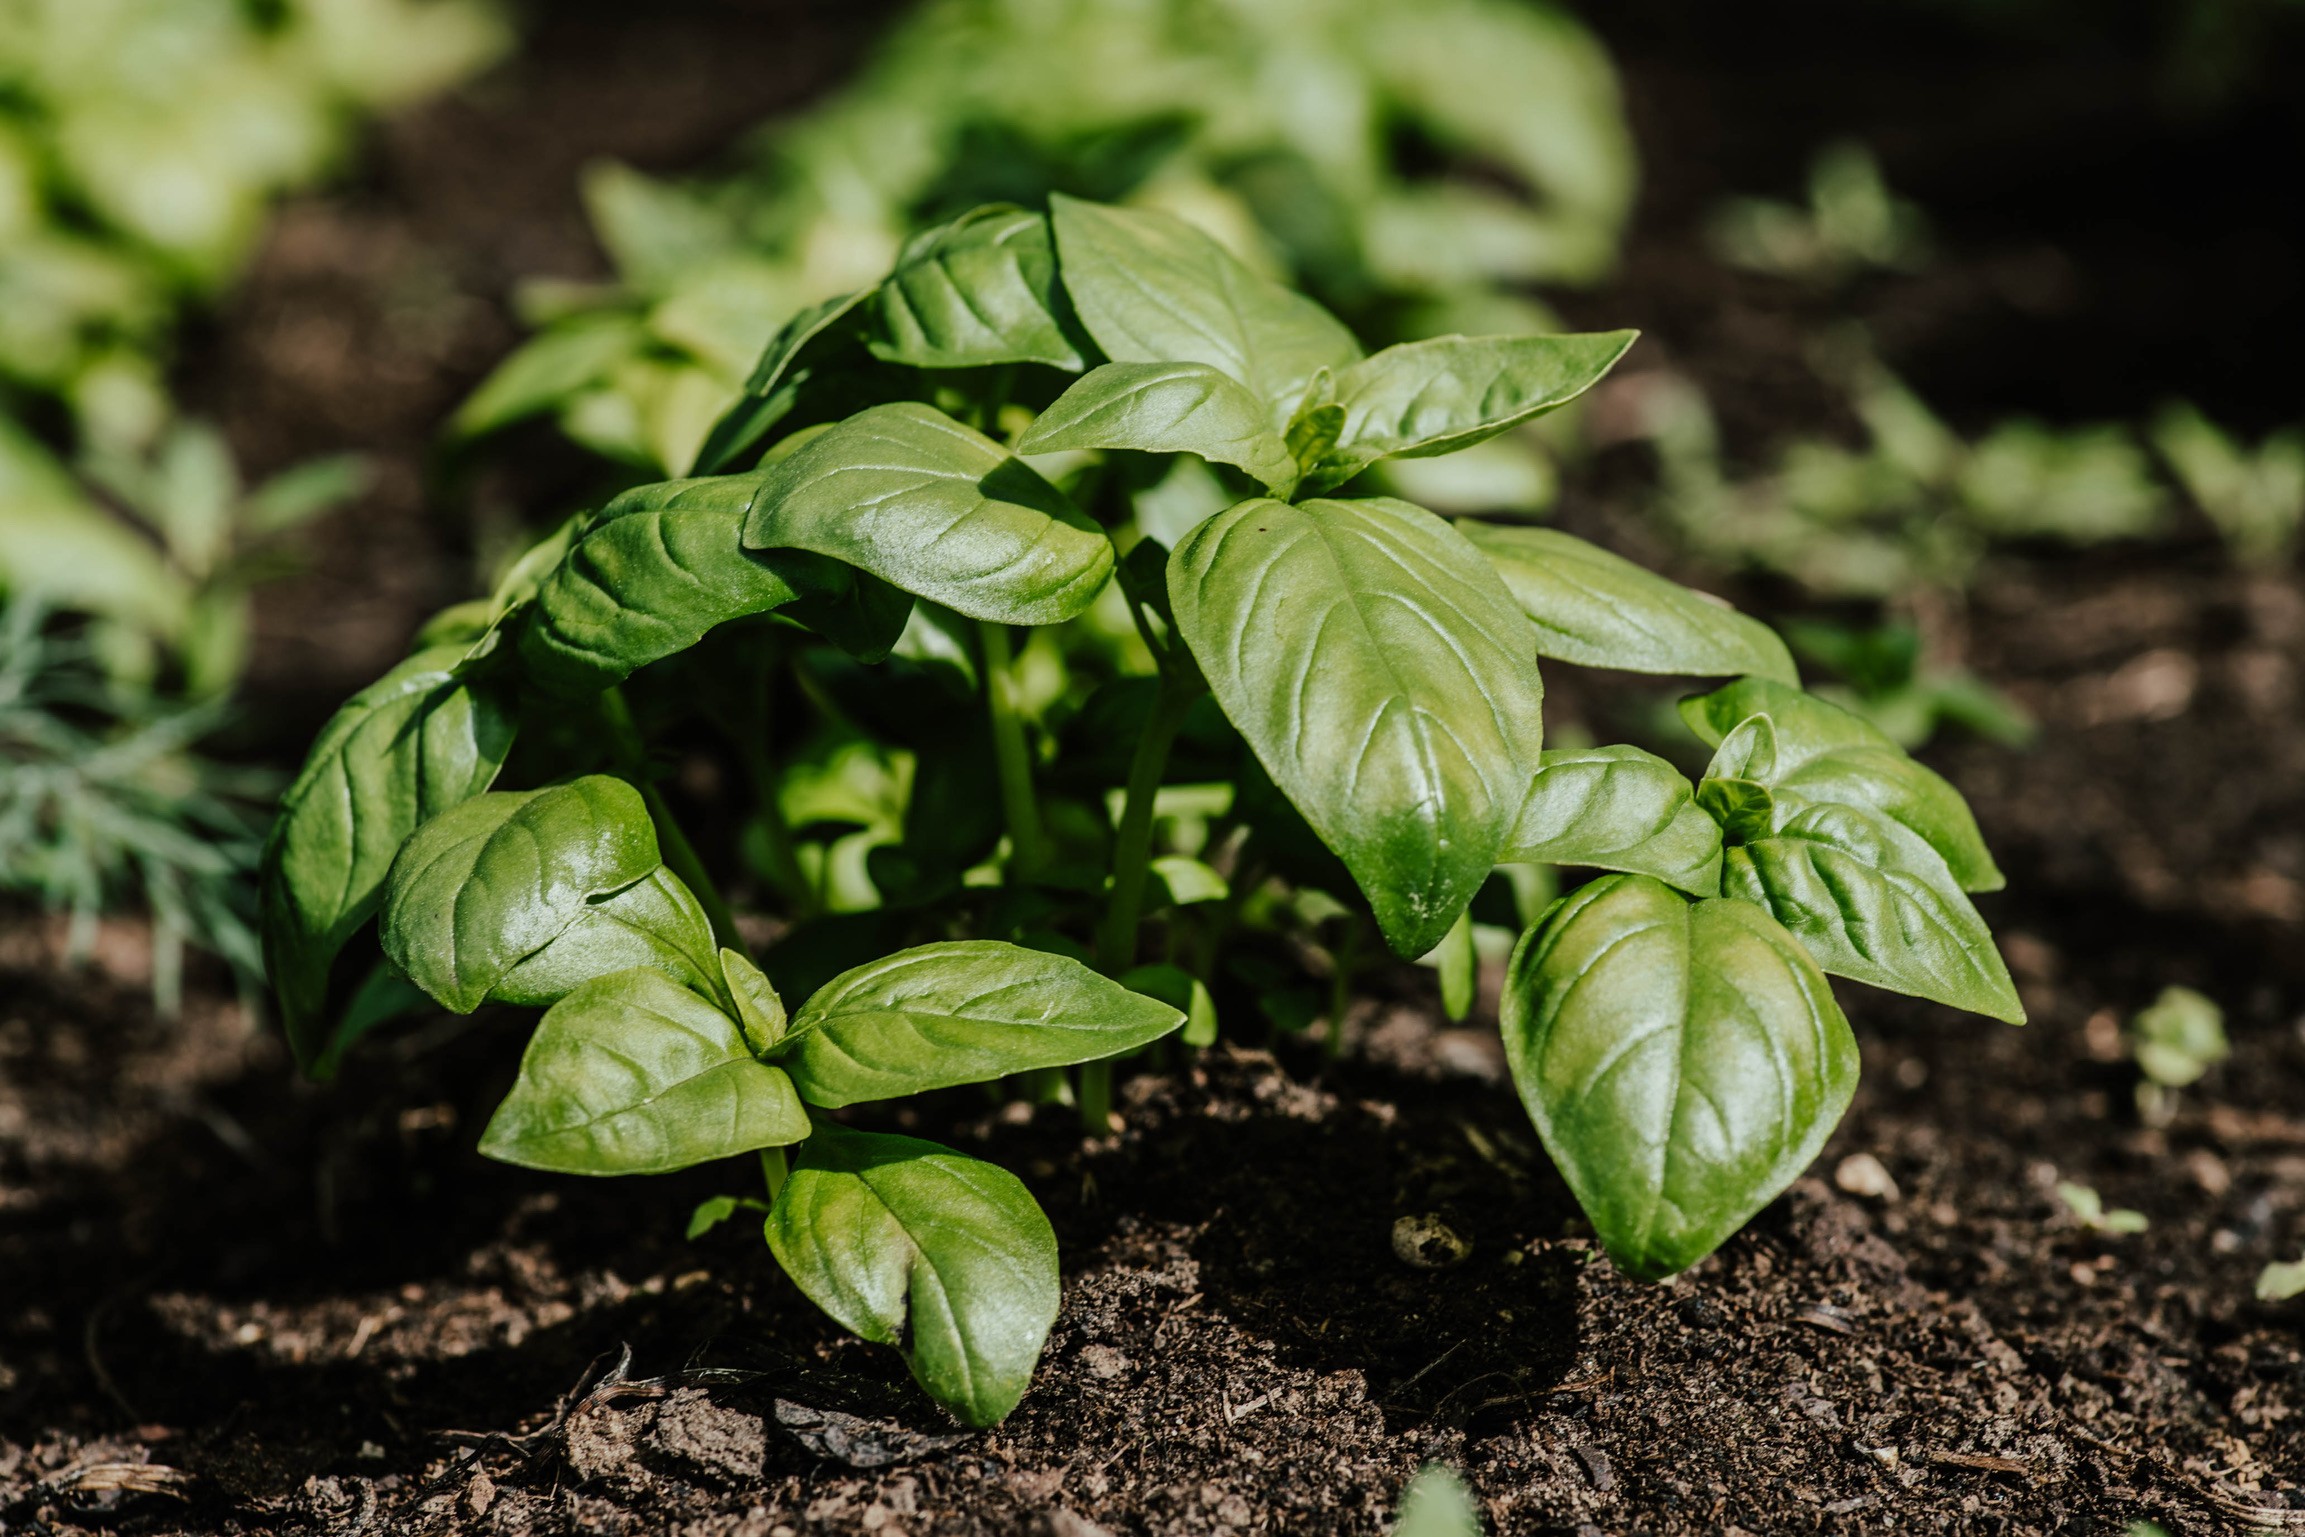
1863	1174
1428	1243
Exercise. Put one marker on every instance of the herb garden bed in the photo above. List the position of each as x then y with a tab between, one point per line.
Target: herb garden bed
228	1307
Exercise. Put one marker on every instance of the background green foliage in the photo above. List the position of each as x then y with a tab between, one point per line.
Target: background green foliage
1413	164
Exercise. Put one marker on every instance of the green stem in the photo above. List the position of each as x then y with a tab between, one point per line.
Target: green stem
1010	753
773	1170
1347	960
680	855
1116	944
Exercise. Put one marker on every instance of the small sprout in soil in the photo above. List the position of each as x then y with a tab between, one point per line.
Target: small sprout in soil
2280	1281
2088	1209
1033	762
1436	1503
2176	1040
2180	1037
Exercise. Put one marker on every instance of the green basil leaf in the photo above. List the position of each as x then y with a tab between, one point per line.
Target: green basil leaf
1618	808
977	291
1425	398
1872	901
1600	610
654	922
758	1008
962	1012
634	1074
907	493
913	1245
1381	673
661	565
486	884
403	750
1825	754
1682	1061
820	337
1166	408
1150	288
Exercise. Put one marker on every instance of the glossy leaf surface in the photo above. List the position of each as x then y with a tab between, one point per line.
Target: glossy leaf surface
660	567
1682	1061
1436	396
962	1012
406	748
1619	808
1385	680
979	290
489	883
913	1245
1150	288
1871	900
654	922
1822	753
912	496
634	1074
1600	610
1167	408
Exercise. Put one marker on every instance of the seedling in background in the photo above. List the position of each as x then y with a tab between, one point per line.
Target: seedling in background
2088	1209
920	475
1886	679
2175	1040
1436	1503
2256	498
2280	1281
1853	224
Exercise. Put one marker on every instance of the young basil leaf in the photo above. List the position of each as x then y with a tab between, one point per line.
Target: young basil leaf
758	1008
1600	610
1425	398
1872	901
1618	808
634	1074
1682	1061
1314	431
979	290
654	922
487	884
814	339
662	565
963	1012
913	1245
408	747
907	493
1166	408
1825	754
1385	680
1150	288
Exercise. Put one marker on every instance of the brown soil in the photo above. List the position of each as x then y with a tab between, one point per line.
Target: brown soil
229	1302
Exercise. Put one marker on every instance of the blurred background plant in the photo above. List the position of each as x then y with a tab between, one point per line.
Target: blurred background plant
141	143
1417	164
104	806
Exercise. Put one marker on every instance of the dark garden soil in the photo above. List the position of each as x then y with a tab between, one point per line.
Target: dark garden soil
231	1302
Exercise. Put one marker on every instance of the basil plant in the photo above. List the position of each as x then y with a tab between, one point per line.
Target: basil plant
972	449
